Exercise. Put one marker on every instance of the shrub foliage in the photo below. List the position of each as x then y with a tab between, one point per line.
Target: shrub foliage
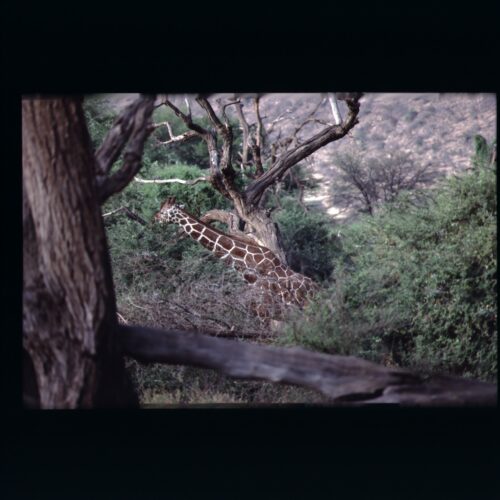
417	284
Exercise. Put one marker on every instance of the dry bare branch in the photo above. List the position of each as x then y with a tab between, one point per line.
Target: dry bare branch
231	220
256	189
343	379
190	134
133	128
128	213
188	106
245	135
282	116
226	105
259	140
335	108
187	119
223	174
129	120
281	145
189	182
121	318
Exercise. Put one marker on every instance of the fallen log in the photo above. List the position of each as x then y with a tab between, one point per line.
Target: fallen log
345	380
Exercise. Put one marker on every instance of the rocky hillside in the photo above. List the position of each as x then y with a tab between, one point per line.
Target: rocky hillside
437	129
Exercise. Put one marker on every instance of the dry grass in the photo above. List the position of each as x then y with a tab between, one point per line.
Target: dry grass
177	385
218	307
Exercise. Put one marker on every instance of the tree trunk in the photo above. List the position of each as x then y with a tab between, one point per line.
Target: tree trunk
266	232
69	310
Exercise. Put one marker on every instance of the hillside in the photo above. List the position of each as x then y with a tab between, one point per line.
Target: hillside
437	129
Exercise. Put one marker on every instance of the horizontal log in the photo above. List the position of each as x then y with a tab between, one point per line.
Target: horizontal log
343	379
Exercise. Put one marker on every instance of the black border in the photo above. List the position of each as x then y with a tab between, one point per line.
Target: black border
379	450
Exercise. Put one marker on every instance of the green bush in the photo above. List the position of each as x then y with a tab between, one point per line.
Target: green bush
483	152
99	119
417	284
366	182
309	239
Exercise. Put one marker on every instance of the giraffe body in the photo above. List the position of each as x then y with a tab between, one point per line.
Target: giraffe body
257	264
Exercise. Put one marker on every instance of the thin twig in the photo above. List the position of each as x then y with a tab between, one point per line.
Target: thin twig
128	213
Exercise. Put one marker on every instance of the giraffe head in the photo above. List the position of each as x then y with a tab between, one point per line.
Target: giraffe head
168	212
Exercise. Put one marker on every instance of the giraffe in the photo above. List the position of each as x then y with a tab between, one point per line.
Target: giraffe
257	264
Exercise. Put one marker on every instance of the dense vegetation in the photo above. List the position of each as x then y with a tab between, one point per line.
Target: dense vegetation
413	285
417	283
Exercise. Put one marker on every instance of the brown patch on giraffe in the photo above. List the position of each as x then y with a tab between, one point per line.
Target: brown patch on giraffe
238	252
250	261
265	266
250	278
225	242
258	258
197	227
207	243
211	235
254	250
195	234
276	261
219	252
280	272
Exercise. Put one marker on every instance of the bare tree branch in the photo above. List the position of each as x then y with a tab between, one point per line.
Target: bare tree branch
344	379
231	220
224	106
190	182
256	189
335	108
187	119
258	142
282	116
309	118
190	134
223	174
245	135
120	132
135	127
128	213
283	144
227	139
188	106
300	184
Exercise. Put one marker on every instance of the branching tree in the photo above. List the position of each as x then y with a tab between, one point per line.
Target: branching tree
73	344
365	182
264	162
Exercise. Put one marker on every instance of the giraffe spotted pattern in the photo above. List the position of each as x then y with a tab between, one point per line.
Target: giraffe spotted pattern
257	264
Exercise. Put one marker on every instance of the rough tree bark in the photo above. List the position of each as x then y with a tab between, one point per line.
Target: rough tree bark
69	311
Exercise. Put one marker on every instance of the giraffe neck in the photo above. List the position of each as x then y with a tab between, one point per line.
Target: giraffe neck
258	265
214	240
